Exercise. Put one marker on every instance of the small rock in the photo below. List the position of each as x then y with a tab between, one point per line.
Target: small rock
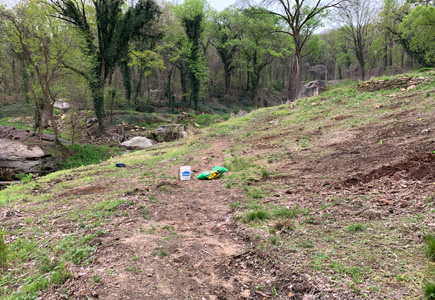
410	87
426	131
403	90
149	275
379	105
392	95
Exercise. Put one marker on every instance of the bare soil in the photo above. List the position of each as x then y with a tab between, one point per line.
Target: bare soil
188	245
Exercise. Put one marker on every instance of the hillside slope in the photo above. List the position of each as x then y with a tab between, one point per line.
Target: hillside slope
325	198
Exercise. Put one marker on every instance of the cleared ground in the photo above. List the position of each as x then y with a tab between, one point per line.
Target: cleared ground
326	198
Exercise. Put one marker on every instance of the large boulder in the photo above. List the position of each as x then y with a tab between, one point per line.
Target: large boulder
138	142
167	133
312	88
62	105
18	158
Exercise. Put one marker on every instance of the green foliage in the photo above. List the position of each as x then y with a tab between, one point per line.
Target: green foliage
109	205
356	228
417	29
255	215
208	119
284	212
429	241
84	155
25	178
147	60
429	290
116	27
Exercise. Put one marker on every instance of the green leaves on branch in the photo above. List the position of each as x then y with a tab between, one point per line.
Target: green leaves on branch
147	60
417	28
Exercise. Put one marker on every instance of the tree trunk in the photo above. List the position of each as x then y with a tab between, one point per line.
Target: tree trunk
227	72
183	87
53	122
138	87
295	75
126	80
97	90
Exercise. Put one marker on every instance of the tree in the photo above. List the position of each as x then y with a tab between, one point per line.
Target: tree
192	14
225	39
147	61
172	51
115	29
259	45
417	28
44	45
302	19
356	17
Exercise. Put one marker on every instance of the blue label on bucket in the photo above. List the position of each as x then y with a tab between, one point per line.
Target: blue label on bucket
185	173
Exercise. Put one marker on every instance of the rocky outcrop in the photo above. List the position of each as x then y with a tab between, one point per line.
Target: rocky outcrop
167	133
138	142
18	158
312	89
405	83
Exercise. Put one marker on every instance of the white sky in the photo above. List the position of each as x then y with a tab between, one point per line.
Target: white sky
219	5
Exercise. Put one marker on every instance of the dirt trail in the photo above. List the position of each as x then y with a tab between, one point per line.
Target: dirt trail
188	248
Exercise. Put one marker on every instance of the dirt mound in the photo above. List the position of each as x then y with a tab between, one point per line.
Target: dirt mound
420	166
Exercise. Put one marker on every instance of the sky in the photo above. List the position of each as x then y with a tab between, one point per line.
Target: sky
219	5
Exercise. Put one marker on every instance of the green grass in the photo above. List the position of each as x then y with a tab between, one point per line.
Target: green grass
159	251
110	205
84	155
356	228
284	212
255	215
429	241
3	252
429	290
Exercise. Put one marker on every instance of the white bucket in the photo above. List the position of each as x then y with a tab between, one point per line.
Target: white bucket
185	172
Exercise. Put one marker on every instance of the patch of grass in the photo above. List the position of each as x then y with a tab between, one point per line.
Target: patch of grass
255	215
429	241
429	290
284	212
84	155
237	163
159	251
234	205
356	273
109	206
253	192
145	213
356	228
25	178
265	173
96	278
3	252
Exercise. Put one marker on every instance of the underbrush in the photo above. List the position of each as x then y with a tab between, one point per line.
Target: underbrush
84	155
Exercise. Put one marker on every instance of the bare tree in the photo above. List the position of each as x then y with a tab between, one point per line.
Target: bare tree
355	16
302	17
